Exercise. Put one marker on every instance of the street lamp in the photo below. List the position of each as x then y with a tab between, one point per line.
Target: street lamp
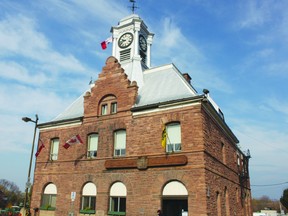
28	183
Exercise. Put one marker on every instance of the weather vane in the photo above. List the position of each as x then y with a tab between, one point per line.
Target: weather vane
133	7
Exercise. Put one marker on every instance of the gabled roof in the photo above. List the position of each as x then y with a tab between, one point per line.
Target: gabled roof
161	84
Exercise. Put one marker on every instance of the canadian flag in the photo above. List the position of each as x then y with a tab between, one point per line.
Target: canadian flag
40	148
106	42
73	140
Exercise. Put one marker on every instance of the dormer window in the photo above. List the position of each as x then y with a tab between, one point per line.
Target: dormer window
108	105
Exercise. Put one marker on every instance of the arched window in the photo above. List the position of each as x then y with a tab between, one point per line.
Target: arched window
92	146
54	149
120	143
88	200
49	197
173	140
108	105
117	205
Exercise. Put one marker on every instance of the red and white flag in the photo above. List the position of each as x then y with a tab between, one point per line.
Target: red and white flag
73	140
106	42
40	148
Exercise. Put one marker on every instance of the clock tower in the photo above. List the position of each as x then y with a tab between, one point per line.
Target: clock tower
132	47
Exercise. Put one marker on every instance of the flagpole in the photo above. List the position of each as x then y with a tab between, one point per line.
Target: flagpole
28	183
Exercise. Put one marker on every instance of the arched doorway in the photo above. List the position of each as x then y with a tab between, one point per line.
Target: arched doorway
175	199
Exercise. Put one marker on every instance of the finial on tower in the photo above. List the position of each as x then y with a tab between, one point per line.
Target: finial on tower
133	7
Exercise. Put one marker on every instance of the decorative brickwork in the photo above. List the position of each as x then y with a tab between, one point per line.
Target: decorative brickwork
146	168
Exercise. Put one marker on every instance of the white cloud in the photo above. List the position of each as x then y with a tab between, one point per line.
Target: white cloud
30	99
171	45
12	128
99	9
268	17
19	37
255	13
278	105
18	101
279	68
79	11
268	148
14	71
170	40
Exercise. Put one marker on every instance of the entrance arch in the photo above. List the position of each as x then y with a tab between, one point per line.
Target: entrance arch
175	199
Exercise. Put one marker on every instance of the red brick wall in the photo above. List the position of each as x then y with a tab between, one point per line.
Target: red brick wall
201	144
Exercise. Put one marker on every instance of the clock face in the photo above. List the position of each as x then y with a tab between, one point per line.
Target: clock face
125	40
142	43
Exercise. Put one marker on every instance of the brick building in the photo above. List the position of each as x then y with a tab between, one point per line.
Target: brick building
141	139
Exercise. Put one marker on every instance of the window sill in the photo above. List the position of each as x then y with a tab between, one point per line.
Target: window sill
91	158
87	211
112	213
47	208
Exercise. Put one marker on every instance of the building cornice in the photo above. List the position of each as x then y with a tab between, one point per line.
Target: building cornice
60	123
167	104
210	109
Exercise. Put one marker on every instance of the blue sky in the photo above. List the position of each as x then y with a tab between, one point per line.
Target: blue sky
49	50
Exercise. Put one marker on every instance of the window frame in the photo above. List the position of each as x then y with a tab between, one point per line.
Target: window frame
48	201
121	206
49	197
91	208
108	105
104	109
119	152
175	146
117	199
54	150
88	196
89	150
113	109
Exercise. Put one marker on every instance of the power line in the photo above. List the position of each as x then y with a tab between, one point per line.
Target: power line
267	185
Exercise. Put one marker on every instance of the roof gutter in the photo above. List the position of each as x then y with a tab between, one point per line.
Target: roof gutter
63	122
168	103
